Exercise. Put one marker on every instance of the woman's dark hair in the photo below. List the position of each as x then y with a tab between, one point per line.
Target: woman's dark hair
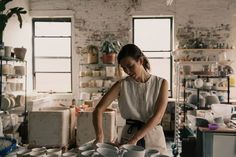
131	50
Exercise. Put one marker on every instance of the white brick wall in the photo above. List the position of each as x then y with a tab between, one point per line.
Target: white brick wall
96	18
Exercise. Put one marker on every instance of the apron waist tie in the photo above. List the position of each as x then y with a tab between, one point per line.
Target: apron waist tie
135	124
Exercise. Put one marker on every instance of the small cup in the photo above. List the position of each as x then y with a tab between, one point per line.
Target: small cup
2	52
56	151
37	154
53	155
7	51
150	152
41	149
106	152
109	146
22	153
69	154
87	153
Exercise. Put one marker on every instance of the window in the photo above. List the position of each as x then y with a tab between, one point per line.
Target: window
154	36
52	55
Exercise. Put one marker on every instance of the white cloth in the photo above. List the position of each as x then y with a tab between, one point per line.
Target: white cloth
137	101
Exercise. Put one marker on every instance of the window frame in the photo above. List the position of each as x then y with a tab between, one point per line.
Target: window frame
171	45
54	19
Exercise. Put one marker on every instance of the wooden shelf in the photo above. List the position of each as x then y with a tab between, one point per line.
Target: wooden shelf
204	49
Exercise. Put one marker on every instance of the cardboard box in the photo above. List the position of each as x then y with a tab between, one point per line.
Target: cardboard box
51	127
85	129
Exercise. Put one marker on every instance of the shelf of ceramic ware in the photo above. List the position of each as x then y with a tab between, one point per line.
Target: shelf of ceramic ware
3	58
205	49
97	64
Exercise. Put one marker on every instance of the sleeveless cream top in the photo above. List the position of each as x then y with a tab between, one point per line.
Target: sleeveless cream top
137	100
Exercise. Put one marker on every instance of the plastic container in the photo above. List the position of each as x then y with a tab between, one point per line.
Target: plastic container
213	126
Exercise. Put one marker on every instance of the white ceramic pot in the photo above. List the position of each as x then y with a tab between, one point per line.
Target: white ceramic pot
2	52
19	70
6	68
198	83
99	83
7	51
110	71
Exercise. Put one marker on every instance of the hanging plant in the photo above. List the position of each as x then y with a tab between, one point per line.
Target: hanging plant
6	14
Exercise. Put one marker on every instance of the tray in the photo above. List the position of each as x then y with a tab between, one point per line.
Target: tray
7	145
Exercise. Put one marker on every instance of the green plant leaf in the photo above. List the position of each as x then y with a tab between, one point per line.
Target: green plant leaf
3	4
18	11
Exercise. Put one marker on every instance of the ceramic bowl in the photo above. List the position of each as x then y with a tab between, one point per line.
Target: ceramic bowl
19	70
213	126
198	83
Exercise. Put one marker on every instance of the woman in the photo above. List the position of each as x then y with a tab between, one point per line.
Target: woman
142	100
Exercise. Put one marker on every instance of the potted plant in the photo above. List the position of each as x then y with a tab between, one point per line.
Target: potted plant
109	49
6	14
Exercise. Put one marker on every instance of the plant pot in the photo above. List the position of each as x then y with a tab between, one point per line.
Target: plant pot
92	58
20	53
109	58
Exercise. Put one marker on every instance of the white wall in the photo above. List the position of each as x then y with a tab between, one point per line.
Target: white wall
94	19
16	37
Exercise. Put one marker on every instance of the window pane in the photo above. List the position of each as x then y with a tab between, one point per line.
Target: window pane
157	54
53	47
53	65
52	29
152	34
56	82
161	67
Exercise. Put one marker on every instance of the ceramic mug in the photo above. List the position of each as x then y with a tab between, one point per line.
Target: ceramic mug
105	145
40	149
85	147
106	152
22	153
69	154
150	152
130	150
87	153
53	155
56	151
37	154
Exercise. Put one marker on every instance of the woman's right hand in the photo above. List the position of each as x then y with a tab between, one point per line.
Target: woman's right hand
99	139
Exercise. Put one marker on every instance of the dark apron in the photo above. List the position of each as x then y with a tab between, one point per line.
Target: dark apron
133	127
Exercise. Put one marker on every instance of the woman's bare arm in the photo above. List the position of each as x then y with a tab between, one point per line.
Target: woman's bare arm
106	100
